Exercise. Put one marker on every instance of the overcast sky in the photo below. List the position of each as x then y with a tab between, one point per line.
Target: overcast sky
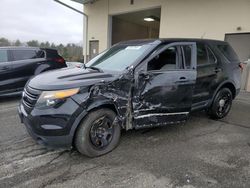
43	20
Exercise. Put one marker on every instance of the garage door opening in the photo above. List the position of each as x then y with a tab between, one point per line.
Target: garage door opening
241	44
136	25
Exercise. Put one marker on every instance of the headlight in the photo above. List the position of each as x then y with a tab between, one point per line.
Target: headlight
51	98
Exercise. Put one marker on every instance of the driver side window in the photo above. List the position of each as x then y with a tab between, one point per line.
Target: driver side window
167	60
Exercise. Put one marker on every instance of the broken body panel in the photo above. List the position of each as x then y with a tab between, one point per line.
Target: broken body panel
148	98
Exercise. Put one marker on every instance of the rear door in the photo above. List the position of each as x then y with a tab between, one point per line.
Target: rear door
24	63
6	81
208	73
164	86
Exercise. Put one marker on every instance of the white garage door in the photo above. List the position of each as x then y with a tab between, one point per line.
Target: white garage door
241	44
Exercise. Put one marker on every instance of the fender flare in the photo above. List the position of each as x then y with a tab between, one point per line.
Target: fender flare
219	87
105	102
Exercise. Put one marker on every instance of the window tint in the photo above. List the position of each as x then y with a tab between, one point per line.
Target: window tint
3	56
51	53
23	54
187	54
40	54
228	52
167	60
201	54
211	57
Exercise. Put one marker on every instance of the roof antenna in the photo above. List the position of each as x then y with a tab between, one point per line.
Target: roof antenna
202	36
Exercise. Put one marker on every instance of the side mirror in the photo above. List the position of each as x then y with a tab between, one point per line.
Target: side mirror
144	75
130	68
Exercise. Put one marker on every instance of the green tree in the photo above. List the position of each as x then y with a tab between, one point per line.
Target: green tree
53	46
65	53
33	43
70	52
43	45
4	42
60	49
47	44
18	43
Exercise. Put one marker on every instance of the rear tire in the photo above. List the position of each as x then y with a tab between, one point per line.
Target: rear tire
97	135
221	105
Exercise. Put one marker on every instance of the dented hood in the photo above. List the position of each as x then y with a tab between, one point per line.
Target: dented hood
69	78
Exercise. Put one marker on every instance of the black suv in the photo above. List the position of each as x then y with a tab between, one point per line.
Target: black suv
18	64
133	85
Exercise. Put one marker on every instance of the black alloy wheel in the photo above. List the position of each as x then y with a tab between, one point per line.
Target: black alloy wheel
222	104
101	132
97	134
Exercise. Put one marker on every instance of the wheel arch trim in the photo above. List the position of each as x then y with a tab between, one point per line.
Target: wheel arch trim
222	85
103	103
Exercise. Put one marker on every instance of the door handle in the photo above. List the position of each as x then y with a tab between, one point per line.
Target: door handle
216	70
182	79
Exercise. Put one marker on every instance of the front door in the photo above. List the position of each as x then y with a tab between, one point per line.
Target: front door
164	86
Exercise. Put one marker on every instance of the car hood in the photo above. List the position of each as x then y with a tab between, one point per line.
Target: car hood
69	78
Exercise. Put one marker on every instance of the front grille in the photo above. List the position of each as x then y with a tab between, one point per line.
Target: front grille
30	97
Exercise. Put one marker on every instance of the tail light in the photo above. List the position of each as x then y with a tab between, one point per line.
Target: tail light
59	60
78	66
241	67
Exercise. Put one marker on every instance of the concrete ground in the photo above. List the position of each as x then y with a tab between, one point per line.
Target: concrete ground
200	153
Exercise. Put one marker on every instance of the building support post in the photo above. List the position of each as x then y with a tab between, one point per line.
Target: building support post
85	28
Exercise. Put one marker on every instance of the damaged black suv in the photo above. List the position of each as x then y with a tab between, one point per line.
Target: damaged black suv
133	85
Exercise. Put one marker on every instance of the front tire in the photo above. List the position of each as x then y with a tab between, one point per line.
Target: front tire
97	135
222	104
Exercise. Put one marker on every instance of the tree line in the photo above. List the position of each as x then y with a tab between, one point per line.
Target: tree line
70	52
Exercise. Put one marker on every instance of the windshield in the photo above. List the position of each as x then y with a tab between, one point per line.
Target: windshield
118	58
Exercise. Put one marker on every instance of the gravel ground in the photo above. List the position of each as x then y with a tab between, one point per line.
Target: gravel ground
199	153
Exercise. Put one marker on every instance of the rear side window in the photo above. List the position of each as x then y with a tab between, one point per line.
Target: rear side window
3	56
24	54
205	55
228	52
40	54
